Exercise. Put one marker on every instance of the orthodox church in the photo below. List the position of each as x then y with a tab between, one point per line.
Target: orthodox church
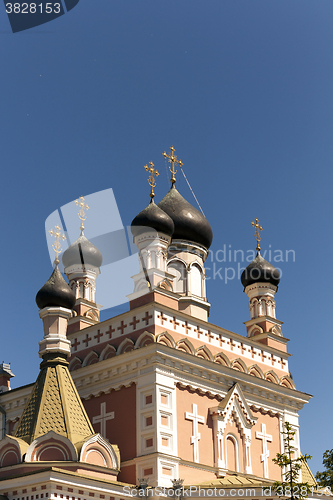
157	396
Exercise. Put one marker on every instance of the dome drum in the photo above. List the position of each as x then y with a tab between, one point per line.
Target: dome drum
191	247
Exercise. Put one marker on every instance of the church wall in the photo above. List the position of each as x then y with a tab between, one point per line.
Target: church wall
154	296
128	474
195	475
121	429
185	400
272	428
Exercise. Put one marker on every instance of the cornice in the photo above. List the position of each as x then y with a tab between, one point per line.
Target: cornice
53	473
186	369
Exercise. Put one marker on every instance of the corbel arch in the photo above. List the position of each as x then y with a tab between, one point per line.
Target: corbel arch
272	377
287	381
165	339
238	364
222	359
186	346
256	371
74	364
108	352
254	330
126	345
144	339
91	359
204	352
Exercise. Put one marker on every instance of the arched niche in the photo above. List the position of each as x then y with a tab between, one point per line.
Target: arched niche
178	269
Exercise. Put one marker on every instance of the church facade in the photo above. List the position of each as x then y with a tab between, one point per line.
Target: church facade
159	393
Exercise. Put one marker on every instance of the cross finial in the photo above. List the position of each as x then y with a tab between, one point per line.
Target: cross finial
151	179
257	234
173	160
56	245
82	215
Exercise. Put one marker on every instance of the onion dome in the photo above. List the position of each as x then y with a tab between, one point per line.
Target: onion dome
82	251
152	217
260	271
55	292
189	223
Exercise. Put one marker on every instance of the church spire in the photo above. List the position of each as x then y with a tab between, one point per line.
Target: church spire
82	262
54	426
54	404
188	250
260	280
152	230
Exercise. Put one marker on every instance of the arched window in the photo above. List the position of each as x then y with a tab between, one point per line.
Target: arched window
232	453
179	271
196	283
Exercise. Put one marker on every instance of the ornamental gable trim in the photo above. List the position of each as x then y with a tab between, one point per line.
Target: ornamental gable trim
235	404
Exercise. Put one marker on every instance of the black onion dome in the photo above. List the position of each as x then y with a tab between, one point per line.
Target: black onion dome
82	251
260	271
189	223
55	292
152	216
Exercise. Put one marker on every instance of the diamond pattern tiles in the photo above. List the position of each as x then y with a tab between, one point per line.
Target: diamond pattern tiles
25	428
77	417
52	415
54	405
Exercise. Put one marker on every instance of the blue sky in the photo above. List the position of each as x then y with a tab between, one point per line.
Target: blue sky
242	89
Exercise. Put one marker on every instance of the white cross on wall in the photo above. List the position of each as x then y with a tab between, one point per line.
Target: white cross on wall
102	419
196	419
265	452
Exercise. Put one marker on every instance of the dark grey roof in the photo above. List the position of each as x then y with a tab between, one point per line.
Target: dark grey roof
55	292
153	217
260	271
189	223
82	251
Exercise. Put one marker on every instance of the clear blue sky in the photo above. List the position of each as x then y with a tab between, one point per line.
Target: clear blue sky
242	89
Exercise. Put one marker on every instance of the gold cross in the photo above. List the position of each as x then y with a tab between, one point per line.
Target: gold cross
56	245
173	160
81	213
151	180
257	234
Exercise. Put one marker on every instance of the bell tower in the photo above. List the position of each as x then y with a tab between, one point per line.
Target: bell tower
188	250
82	261
260	280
